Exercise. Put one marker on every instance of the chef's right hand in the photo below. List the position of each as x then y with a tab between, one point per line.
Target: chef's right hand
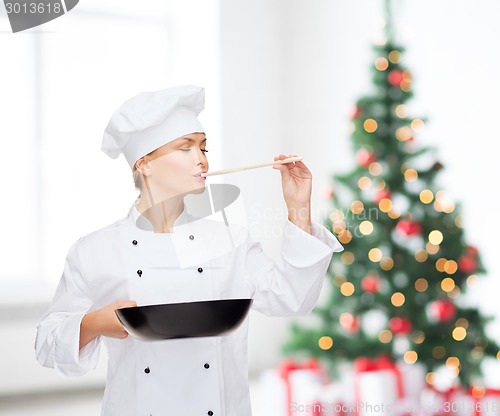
104	322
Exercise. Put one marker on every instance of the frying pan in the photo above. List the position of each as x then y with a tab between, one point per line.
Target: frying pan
184	320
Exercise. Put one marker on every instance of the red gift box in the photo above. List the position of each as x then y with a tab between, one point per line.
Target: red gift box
441	402
476	401
378	386
293	389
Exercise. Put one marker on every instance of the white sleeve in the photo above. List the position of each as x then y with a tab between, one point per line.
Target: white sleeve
58	331
292	285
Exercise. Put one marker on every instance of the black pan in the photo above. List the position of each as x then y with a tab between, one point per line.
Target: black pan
184	320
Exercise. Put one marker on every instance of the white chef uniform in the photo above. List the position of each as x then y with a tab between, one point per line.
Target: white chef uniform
182	377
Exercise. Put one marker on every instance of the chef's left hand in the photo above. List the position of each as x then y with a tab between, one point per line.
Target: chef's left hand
296	181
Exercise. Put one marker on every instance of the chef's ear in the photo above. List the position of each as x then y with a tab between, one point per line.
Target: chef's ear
142	165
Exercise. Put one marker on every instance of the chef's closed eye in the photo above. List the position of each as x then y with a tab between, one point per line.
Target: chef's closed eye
187	149
189	142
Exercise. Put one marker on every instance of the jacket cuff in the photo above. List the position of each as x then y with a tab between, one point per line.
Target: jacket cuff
69	360
301	249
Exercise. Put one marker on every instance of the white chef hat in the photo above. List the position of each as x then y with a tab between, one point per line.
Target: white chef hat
151	119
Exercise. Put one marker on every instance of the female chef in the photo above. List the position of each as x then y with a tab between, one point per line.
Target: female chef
171	259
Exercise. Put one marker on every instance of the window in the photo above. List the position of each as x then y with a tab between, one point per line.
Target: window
60	83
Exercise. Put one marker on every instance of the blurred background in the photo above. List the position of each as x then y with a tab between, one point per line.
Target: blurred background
280	77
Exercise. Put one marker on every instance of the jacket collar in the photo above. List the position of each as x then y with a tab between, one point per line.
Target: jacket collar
140	221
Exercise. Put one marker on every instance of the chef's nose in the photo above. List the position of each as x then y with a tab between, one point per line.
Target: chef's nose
200	157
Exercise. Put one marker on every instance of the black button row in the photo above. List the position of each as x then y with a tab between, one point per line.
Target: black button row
147	370
209	413
139	272
134	242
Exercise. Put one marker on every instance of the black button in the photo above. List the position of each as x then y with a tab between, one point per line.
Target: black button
139	272
200	270
206	365
191	237
134	242
147	370
210	413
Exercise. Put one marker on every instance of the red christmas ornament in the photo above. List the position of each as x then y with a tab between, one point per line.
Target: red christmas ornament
442	310
437	166
407	227
356	112
328	192
365	157
395	77
472	251
467	264
384	193
370	283
400	325
349	322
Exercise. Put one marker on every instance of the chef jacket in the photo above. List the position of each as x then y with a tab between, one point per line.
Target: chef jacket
182	377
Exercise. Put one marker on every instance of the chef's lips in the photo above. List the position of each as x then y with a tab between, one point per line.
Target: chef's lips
219	203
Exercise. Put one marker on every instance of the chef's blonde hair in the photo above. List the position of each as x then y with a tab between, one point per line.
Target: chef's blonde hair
137	178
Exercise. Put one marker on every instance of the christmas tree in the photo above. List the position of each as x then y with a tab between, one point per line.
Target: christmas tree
399	288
